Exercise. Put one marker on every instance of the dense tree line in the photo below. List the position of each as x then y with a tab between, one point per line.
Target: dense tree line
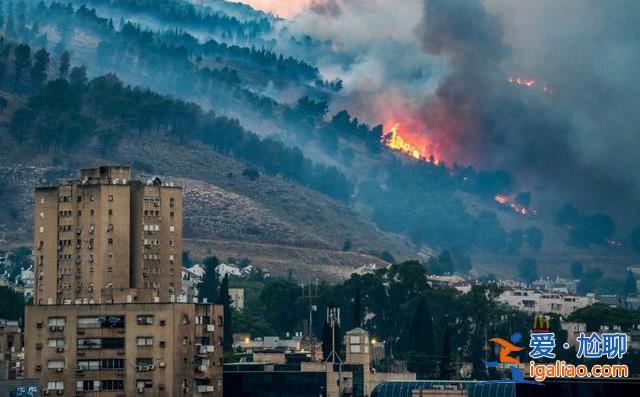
70	111
433	329
187	14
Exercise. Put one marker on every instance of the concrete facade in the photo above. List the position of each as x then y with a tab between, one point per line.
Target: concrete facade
109	317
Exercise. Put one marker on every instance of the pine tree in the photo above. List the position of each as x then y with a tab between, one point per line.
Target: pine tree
420	341
420	338
208	287
39	68
357	308
22	55
65	64
225	299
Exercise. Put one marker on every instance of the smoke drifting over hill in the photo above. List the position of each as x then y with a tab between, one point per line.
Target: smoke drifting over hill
545	90
579	131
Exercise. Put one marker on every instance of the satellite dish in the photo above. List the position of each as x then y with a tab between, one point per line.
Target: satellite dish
157	181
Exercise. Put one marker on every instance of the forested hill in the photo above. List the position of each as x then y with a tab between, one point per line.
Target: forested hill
191	75
241	187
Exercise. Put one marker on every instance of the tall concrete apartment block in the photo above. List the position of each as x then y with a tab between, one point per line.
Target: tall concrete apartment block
105	234
108	317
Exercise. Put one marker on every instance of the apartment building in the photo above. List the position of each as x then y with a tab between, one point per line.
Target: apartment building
11	349
103	233
108	315
534	301
155	349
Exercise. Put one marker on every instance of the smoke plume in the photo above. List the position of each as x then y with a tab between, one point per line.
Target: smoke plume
574	129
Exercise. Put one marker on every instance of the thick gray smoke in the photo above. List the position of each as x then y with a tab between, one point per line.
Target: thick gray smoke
575	130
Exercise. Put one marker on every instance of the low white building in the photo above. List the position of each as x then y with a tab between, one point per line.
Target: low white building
237	298
191	277
27	280
533	301
559	285
224	269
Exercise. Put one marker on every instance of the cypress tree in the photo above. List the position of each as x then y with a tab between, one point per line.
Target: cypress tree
225	300
446	368
208	287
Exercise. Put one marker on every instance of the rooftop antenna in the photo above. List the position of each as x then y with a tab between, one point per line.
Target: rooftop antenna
333	319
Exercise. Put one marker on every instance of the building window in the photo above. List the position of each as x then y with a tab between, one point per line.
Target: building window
171	214
42	215
172	228
110	255
110	197
110	384
79	212
56	323
41	229
92	212
172	243
55	364
110	211
145	341
145	319
79	199
110	241
41	200
56	342
92	197
55	385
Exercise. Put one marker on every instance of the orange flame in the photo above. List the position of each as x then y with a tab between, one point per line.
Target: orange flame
395	141
518	208
521	81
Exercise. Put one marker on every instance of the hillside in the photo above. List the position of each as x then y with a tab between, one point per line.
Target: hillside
274	223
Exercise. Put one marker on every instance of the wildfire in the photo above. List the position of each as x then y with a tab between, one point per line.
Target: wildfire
395	141
518	208
529	83
521	81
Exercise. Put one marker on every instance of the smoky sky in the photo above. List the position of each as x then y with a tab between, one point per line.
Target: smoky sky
575	140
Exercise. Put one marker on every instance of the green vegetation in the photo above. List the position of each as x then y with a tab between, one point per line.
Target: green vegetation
74	112
402	310
585	229
12	307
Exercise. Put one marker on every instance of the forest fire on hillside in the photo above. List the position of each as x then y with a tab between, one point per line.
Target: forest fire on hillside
528	83
393	139
516	207
521	81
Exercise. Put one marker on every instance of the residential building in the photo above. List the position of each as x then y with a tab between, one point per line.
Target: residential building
190	281
224	269
16	387
106	232
27	280
558	285
237	298
534	301
155	349
109	315
271	372
11	349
